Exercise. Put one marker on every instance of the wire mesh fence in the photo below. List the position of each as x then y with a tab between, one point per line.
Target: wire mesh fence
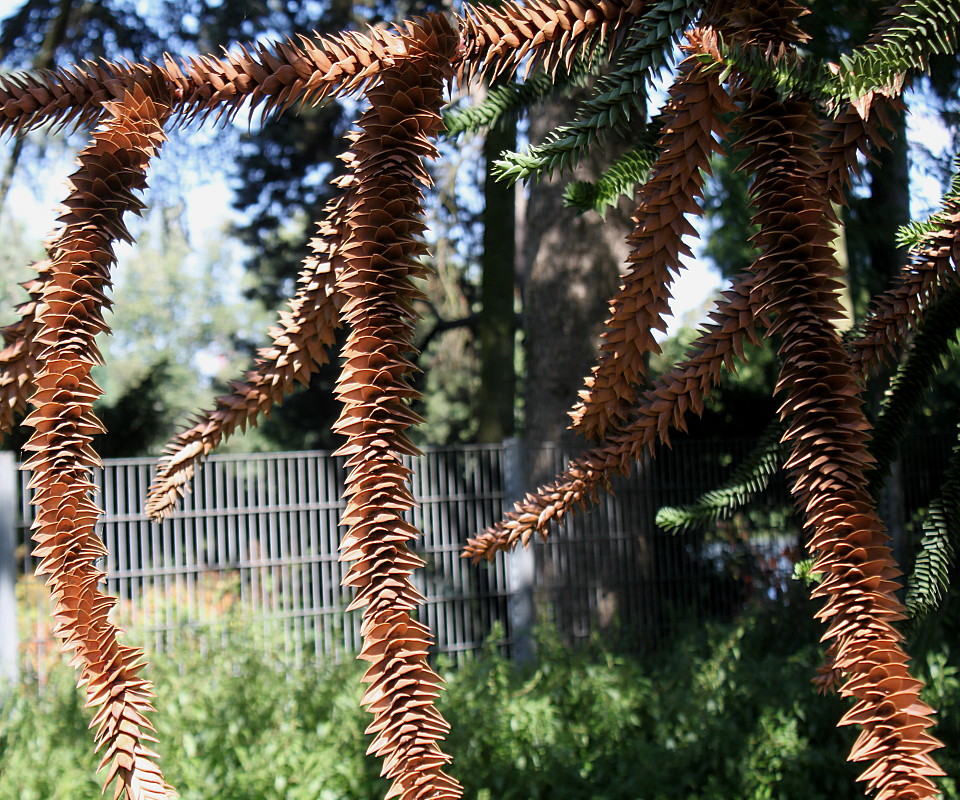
255	544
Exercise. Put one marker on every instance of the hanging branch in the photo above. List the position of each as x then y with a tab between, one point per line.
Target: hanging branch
380	255
692	117
663	406
301	341
68	316
829	458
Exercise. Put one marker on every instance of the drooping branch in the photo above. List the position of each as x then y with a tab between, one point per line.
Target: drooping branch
692	119
849	135
305	332
68	316
381	254
828	436
661	407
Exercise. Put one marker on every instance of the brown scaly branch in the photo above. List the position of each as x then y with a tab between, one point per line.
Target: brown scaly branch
673	191
68	97
68	317
545	32
381	253
661	407
828	433
849	136
18	359
306	71
300	342
583	477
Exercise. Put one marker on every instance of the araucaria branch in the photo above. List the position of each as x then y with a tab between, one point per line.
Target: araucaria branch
381	253
68	317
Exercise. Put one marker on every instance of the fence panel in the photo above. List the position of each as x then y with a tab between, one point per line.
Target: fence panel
256	545
612	572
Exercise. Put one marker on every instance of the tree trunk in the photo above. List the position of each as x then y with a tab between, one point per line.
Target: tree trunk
888	209
572	264
496	326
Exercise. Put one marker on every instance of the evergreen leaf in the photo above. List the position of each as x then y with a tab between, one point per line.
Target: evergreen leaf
919	30
617	96
931	572
503	100
788	77
910	383
747	481
512	98
617	180
913	234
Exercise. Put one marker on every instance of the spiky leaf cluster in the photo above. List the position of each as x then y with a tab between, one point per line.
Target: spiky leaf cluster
917	31
745	64
618	180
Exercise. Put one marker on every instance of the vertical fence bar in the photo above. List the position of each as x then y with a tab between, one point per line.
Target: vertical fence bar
520	563
9	649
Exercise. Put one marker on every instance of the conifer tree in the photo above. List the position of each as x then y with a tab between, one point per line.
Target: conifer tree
746	84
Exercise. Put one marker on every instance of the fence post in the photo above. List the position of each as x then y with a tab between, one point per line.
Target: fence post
9	650
520	562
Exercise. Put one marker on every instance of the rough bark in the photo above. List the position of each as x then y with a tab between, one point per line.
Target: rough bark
572	264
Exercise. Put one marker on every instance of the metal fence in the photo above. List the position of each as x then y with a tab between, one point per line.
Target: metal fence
256	542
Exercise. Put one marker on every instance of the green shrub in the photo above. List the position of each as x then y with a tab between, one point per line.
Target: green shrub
727	712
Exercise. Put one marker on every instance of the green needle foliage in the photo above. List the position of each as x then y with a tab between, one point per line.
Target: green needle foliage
921	29
748	480
619	179
912	235
502	101
930	580
725	711
908	387
618	98
511	98
787	77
